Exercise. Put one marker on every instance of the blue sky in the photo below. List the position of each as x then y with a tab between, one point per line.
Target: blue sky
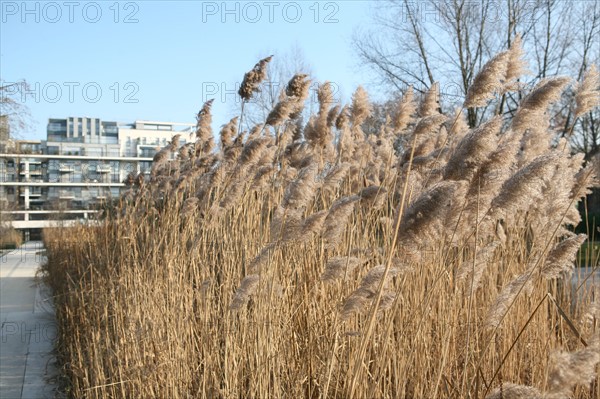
158	60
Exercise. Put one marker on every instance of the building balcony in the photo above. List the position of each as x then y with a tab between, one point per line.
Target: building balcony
32	194
103	168
66	195
66	169
32	172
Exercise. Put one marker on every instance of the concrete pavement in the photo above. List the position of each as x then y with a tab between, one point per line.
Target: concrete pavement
28	327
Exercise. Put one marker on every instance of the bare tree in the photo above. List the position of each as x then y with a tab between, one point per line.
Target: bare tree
421	42
14	115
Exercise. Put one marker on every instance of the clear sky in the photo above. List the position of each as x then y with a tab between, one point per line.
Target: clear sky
159	60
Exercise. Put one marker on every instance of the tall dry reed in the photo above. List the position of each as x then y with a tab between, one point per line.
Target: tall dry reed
315	261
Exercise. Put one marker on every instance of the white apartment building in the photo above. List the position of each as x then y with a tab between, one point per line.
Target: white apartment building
81	164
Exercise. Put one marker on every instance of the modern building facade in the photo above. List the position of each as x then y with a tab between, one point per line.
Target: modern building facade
81	164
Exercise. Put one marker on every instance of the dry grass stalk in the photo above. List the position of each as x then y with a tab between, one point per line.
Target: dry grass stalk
208	279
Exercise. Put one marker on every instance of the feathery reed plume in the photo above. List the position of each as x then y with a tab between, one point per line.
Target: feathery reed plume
426	132
513	391
261	176
562	257
129	179
336	220
477	267
298	86
442	139
253	78
489	81
228	132
587	96
486	183
571	369
313	224
325	97
291	101
282	111
255	267
343	118
268	155
295	129
159	161
340	267
534	105
373	197
332	115
429	124
252	151
384	150
591	315
526	185
174	144
247	288
186	151
530	121
516	65
431	101
204	134
386	301
560	210
317	131
140	181
457	125
255	131
367	290
236	190
189	206
286	225
302	189
361	107
546	91
299	154
335	176
405	112
473	150
507	296
421	219
585	179
162	156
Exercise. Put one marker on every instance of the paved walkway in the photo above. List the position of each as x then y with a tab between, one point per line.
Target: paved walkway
28	329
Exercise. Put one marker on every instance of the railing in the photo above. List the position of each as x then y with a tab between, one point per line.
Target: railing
66	168
103	168
66	195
